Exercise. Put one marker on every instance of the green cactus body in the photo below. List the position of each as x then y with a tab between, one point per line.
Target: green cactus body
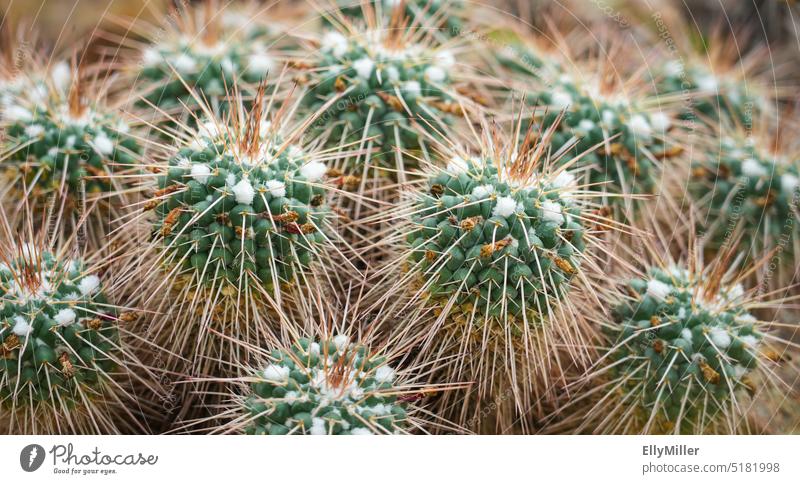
624	164
233	216
711	95
444	15
57	335
504	248
745	187
208	65
381	89
684	350
326	387
80	147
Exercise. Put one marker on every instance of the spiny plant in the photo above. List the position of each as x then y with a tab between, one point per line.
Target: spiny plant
631	132
70	152
446	17
64	365
749	181
238	219
381	85
203	48
496	242
687	350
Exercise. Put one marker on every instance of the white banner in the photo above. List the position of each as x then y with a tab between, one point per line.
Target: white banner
406	460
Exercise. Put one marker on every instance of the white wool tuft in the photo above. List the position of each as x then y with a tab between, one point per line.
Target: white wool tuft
227	65
564	179
657	289
753	168
151	56
749	340
673	68
735	292
608	118
65	317
341	341
17	113
686	334
335	43
313	170
392	74
260	63
34	130
276	188
385	374
660	122
361	431
708	83
639	126
586	125
276	373
445	59
61	76
720	338
483	191
201	172
364	67
184	63
318	427
551	211
561	99
789	183
314	349
412	88
21	327
739	371
505	207
103	144
457	165
435	74
294	152
89	285
745	318
244	192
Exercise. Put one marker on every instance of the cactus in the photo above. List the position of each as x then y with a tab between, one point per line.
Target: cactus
204	53
380	89
740	185
685	351
328	386
438	15
62	359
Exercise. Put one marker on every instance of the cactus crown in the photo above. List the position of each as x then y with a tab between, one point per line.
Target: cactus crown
207	51
444	15
687	346
241	202
57	336
594	113
379	82
743	182
326	387
493	232
74	140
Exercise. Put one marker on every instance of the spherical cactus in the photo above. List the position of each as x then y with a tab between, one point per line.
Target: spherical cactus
61	359
381	90
324	387
241	207
67	144
684	351
202	52
738	184
632	138
494	241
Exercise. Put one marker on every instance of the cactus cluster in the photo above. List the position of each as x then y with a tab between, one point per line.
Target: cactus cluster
58	337
326	387
238	207
488	239
380	86
684	349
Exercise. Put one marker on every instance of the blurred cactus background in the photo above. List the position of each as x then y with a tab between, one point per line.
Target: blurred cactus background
355	217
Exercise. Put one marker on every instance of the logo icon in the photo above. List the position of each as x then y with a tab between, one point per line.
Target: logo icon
31	457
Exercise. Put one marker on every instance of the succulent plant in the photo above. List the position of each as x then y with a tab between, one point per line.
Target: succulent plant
440	15
380	89
323	387
685	349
